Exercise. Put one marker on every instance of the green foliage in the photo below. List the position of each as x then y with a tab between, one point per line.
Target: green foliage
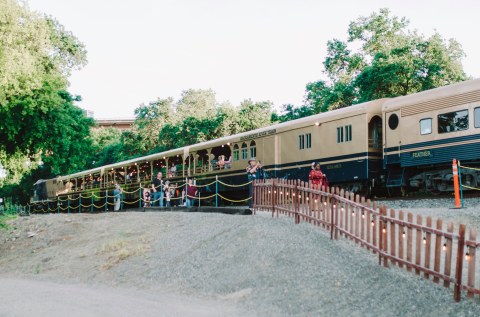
391	61
290	112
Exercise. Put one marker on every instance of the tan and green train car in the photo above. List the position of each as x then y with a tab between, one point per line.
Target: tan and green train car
424	132
347	143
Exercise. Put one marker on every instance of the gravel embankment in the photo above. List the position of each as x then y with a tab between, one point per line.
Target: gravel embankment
252	265
440	208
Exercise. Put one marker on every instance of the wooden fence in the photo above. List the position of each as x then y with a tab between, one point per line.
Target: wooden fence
434	250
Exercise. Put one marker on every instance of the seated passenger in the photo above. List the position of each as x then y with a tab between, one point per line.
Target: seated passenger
221	162
173	170
228	163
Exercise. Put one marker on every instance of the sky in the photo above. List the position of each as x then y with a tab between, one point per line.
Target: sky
142	50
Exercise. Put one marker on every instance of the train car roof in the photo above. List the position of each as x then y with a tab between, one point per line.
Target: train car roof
373	107
432	94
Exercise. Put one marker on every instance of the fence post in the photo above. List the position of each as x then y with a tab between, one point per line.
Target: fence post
296	203
58	205
79	203
140	196
254	201
460	184
91	206
216	191
68	203
106	199
459	266
332	207
273	197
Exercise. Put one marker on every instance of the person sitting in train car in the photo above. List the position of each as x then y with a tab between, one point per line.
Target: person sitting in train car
173	170
221	161
316	177
228	164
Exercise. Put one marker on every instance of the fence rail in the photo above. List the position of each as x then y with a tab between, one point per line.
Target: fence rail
431	249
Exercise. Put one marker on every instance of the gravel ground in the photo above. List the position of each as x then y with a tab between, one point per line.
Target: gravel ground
440	208
249	265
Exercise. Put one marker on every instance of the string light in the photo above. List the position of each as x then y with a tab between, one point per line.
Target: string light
467	255
315	201
363	215
444	247
353	213
384	230
424	240
403	234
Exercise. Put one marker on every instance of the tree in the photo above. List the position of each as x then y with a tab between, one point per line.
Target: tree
149	121
391	61
196	103
254	115
36	55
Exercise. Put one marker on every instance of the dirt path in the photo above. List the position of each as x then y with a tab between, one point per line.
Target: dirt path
39	298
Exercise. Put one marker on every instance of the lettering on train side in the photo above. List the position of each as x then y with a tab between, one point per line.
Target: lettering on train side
334	166
422	154
257	135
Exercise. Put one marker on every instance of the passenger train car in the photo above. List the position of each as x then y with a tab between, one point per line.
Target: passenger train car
425	131
421	135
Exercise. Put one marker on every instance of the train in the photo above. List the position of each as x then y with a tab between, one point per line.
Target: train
403	143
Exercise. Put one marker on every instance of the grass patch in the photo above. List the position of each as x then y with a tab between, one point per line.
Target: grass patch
121	249
3	221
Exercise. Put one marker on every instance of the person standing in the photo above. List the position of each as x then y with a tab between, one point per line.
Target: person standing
117	197
260	173
157	188
316	177
191	193
251	175
167	191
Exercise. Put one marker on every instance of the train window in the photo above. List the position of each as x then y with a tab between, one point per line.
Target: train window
393	121
426	126
301	142
253	149
244	151
236	155
476	113
309	140
339	134
348	133
453	121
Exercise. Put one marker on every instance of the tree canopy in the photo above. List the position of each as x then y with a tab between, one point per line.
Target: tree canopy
383	58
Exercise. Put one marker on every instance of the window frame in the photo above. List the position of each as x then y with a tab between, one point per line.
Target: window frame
420	125
253	149
236	153
474	118
244	151
301	142
348	133
340	135
455	130
308	140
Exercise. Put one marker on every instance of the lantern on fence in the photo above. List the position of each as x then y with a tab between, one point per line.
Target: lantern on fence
467	255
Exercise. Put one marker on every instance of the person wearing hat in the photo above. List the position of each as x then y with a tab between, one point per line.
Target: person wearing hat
252	175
